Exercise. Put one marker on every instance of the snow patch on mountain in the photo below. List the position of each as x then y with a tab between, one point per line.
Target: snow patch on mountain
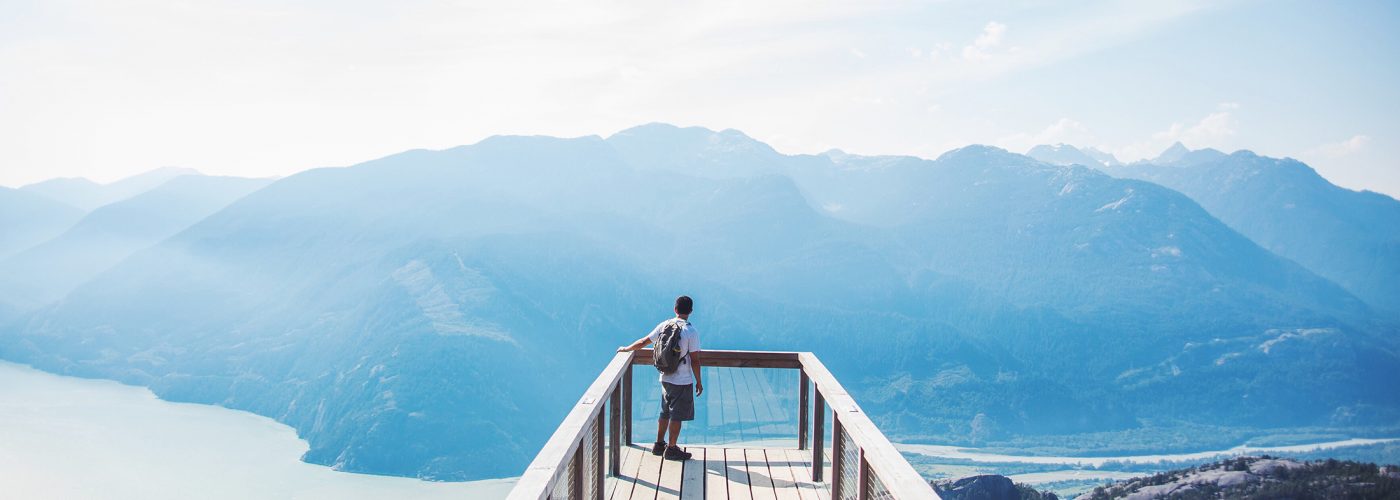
1286	335
1115	205
1166	251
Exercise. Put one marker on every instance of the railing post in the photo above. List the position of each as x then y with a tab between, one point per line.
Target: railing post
627	405
818	433
802	410
614	426
837	451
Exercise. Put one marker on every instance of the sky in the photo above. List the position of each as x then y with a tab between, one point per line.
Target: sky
105	90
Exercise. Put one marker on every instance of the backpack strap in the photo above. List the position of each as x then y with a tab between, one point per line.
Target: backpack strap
680	333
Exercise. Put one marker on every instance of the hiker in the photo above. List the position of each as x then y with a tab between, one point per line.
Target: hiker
680	369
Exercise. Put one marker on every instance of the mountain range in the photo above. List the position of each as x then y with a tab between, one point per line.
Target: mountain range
87	195
46	272
1065	154
30	219
397	312
1351	238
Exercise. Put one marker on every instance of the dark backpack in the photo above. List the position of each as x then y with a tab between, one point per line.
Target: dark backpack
667	355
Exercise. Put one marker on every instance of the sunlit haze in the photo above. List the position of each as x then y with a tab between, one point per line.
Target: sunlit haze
108	89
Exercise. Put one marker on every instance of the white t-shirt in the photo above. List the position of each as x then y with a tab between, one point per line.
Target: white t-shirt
690	342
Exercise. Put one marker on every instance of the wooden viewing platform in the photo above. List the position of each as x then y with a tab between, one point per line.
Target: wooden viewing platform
716	472
591	454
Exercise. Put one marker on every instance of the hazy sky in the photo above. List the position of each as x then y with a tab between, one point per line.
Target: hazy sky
107	89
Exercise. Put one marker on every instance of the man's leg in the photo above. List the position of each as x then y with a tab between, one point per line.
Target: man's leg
661	429
675	432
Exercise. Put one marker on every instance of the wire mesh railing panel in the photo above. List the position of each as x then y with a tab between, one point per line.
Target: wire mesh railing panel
850	467
739	405
591	465
876	489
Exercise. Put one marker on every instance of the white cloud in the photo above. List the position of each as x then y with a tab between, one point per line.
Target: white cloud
1343	148
1358	162
989	40
1215	126
939	50
1064	130
1212	131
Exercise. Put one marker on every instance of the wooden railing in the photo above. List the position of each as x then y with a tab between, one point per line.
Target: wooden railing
864	465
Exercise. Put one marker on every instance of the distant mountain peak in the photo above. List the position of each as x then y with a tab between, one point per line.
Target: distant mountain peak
87	195
981	155
728	139
1103	157
695	150
657	127
975	150
1064	154
1173	153
1180	155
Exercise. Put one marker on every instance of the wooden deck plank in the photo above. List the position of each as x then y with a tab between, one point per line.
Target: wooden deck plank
737	474
718	473
785	483
793	464
670	482
760	478
693	476
716	486
799	463
648	476
620	487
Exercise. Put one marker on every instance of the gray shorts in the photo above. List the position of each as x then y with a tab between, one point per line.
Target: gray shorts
677	402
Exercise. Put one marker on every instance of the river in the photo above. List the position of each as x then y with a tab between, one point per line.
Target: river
975	455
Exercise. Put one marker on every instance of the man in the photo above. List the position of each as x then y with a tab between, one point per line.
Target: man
677	402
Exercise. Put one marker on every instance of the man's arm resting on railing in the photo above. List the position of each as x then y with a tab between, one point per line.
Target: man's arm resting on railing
695	366
640	343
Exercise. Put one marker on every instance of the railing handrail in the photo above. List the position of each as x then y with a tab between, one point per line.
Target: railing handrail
555	455
884	460
735	359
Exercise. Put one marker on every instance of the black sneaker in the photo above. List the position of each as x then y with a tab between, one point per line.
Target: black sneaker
675	453
658	448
